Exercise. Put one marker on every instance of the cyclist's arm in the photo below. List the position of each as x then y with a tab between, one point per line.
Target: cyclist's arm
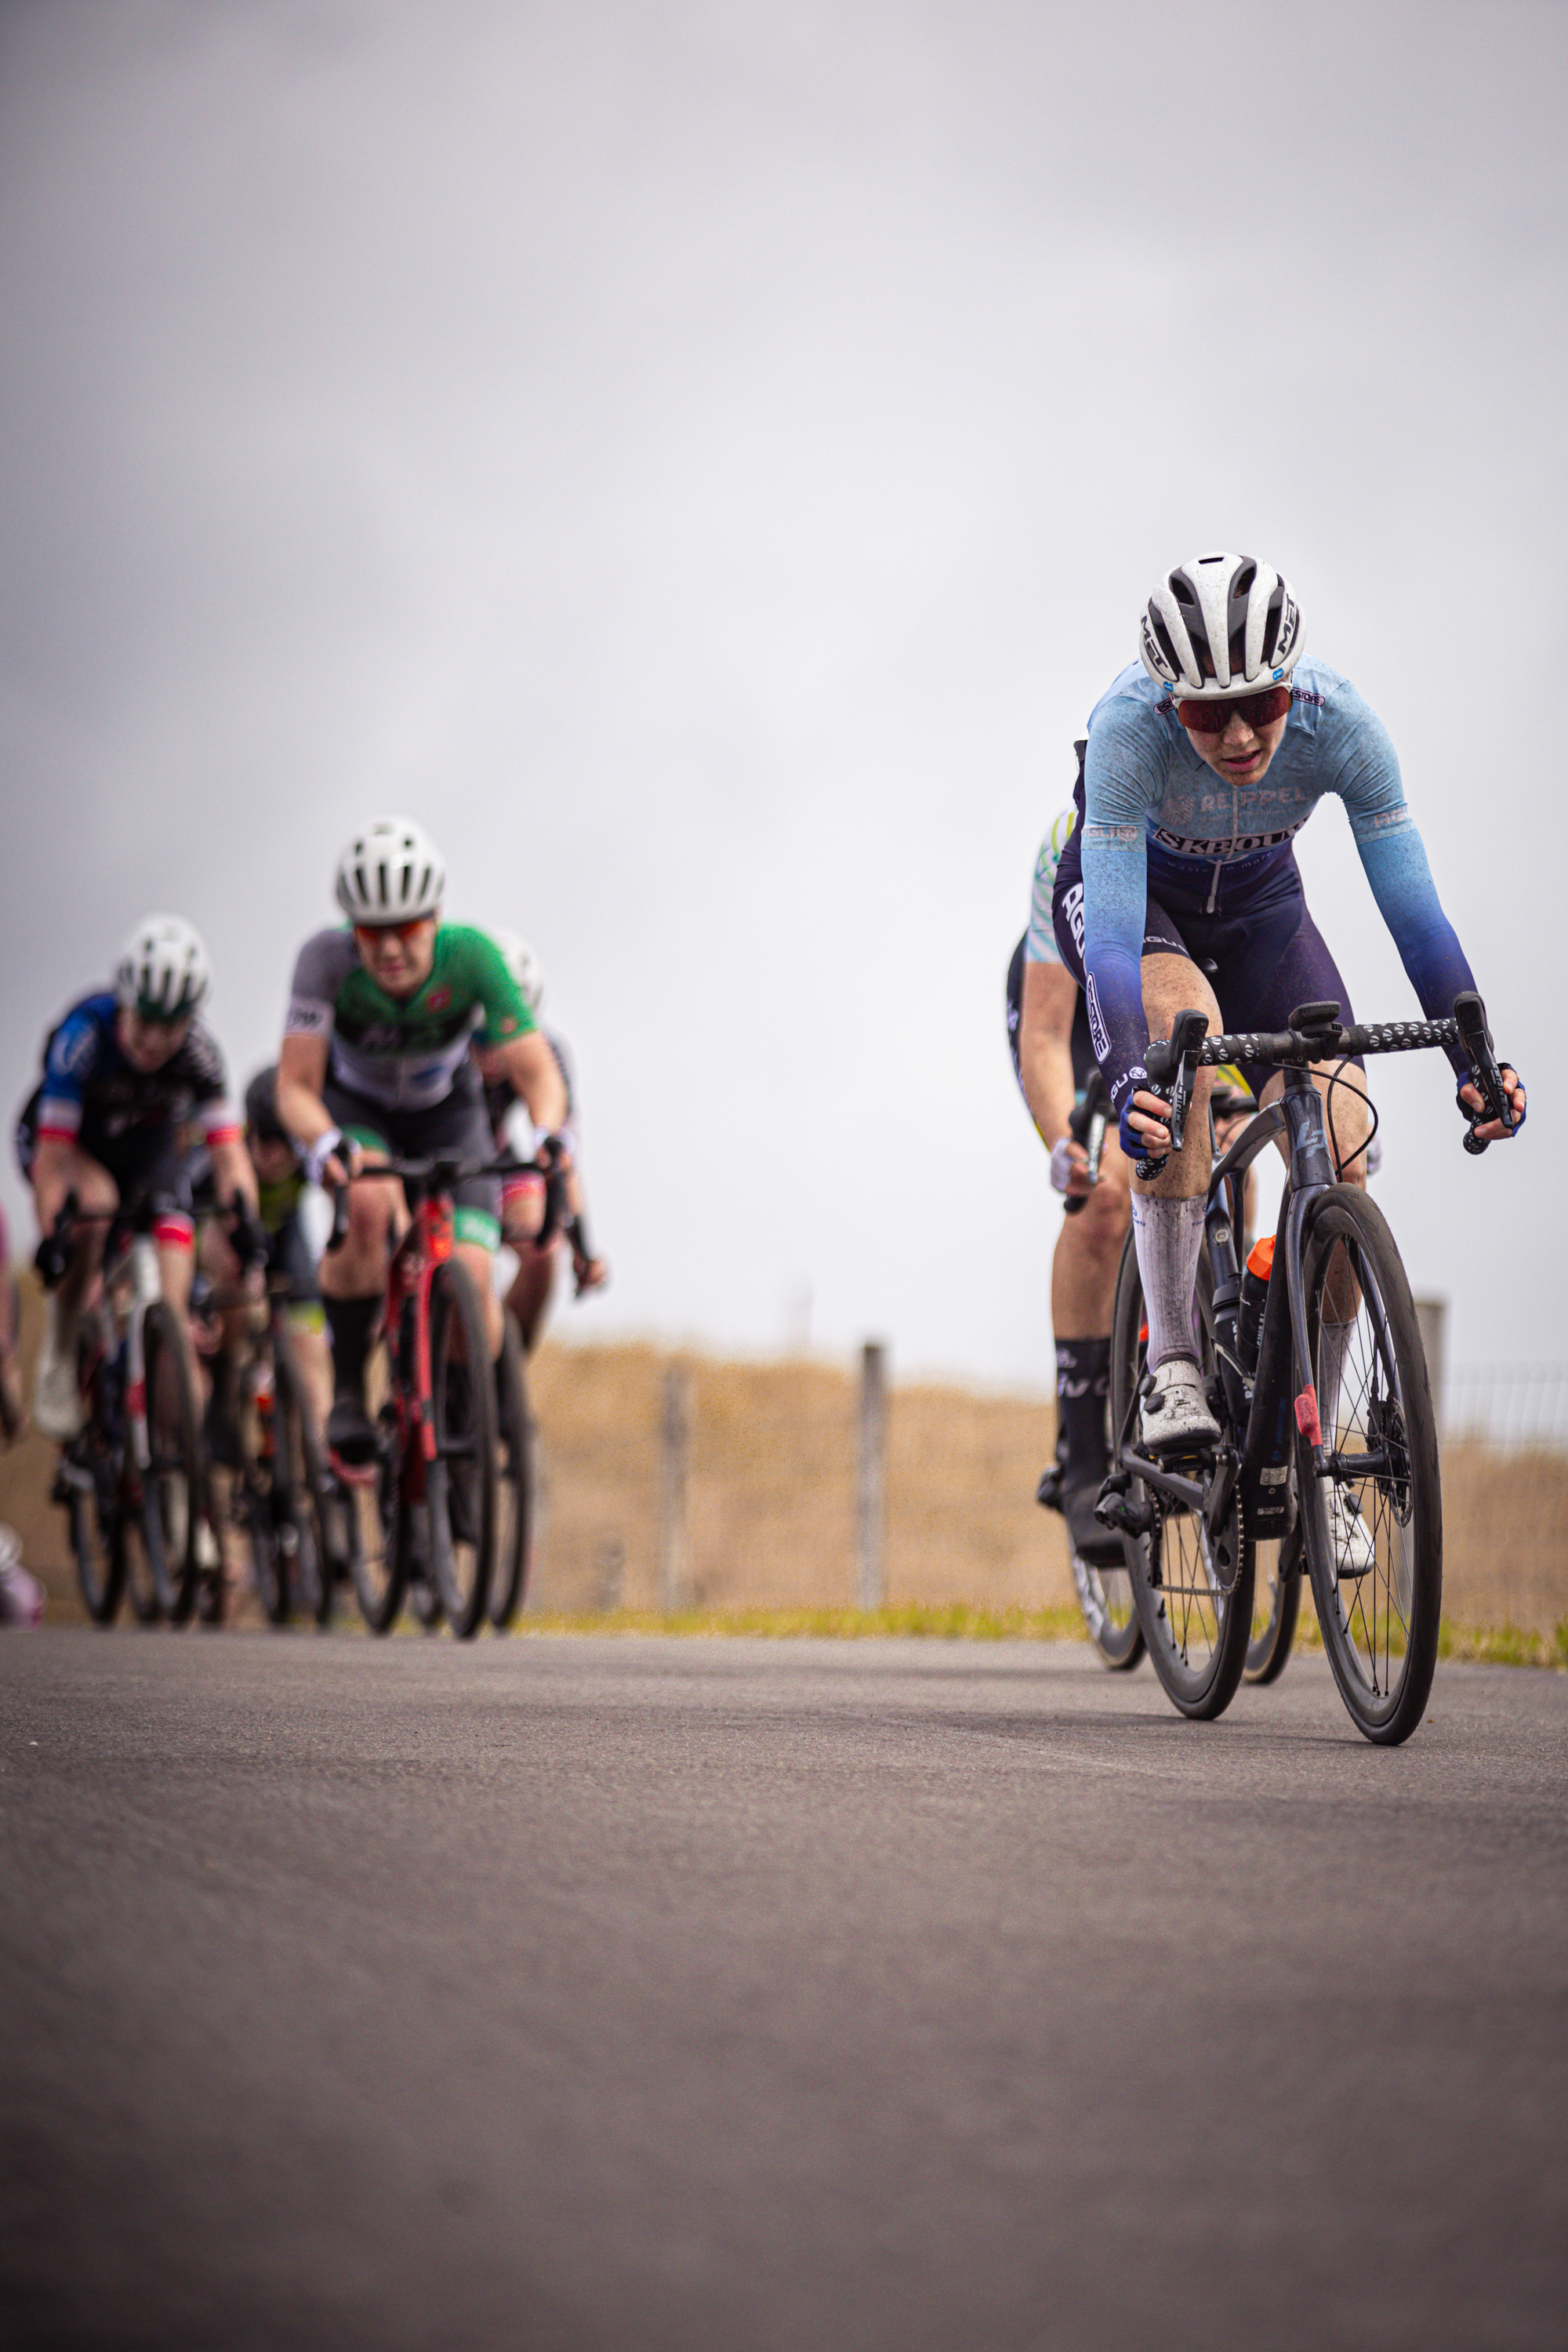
1124	778
302	1075
1364	769
535	1076
72	1055
52	1179
1045	1046
232	1173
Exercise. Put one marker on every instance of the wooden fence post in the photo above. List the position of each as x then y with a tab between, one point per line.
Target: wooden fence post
872	1516
675	1464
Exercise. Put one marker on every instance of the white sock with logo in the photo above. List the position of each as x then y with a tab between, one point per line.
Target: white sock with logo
1168	1236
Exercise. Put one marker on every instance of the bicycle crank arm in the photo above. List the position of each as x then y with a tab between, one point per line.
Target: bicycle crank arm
1188	1492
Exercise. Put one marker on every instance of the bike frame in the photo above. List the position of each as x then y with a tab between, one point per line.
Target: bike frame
427	1245
1283	1376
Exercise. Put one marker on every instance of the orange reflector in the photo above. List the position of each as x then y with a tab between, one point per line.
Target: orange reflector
1260	1258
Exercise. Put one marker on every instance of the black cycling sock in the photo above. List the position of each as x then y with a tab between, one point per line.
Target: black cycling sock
1083	1383
351	1323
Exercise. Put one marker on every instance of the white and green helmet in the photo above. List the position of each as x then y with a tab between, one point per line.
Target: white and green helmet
162	969
390	872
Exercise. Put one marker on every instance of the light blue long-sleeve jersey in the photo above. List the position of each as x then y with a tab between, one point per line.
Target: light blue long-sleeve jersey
1160	823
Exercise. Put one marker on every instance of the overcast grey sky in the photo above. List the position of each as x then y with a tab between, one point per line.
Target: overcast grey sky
705	461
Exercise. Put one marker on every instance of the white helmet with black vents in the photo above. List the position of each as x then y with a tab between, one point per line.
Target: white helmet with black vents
523	965
1218	625
162	969
390	872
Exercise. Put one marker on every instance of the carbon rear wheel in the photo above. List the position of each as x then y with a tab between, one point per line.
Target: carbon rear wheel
1277	1577
1193	1593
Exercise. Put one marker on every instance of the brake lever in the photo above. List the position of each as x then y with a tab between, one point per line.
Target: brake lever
1471	1020
1086	1126
1175	1059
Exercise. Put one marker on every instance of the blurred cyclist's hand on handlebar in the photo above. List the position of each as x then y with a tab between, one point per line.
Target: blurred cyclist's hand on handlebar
1069	1167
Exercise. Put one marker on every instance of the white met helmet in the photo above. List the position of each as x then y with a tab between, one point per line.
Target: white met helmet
1218	623
162	969
523	965
390	872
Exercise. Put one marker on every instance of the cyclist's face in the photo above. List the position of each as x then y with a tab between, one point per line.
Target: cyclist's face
398	956
1242	753
148	1045
271	1157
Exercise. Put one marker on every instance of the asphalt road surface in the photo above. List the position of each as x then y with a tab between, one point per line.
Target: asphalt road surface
735	1993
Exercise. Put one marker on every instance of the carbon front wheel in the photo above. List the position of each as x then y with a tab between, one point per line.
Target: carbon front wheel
172	1485
515	1488
1373	1524
461	1477
97	1546
1193	1592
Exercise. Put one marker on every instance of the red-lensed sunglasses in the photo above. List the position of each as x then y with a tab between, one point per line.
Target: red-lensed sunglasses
391	931
1256	710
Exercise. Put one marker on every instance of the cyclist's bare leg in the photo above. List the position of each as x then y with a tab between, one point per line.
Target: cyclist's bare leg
479	1261
314	1359
1172	984
1088	1253
529	1298
377	1219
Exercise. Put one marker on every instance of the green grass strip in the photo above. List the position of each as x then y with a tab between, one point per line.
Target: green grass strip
1492	1645
957	1620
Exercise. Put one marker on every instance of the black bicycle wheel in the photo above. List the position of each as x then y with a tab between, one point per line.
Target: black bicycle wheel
1110	1610
460	1479
141	1586
172	1485
1194	1596
300	1504
514	1490
1276	1604
1374	1535
370	1511
97	1531
267	1555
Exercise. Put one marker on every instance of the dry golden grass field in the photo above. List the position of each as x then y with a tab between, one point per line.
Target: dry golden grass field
772	1486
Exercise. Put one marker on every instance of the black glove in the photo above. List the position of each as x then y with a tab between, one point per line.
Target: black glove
1473	1118
51	1257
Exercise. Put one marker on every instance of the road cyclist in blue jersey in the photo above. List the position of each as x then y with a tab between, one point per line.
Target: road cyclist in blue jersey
125	1072
1179	887
375	1063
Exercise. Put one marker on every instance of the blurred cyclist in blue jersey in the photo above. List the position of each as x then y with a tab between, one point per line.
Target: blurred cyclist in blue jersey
1203	760
124	1073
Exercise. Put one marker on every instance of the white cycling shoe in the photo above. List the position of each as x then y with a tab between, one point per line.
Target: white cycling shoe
1355	1551
1175	1417
57	1399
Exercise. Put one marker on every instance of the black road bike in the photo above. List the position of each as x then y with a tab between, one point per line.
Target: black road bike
282	1497
441	1503
133	1481
1328	1445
